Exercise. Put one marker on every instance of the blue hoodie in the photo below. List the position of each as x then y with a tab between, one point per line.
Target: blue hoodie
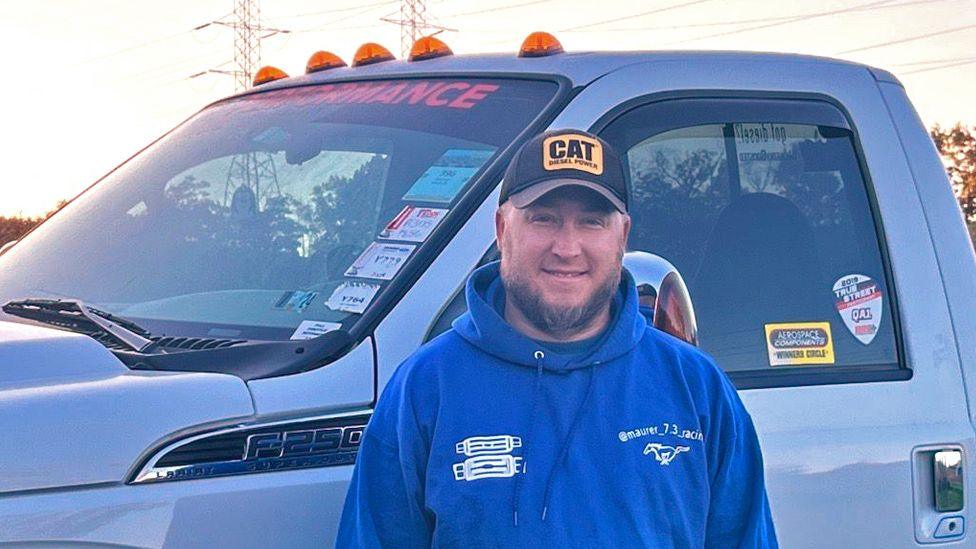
483	438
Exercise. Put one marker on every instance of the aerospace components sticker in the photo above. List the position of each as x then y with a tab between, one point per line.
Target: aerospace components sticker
572	152
352	297
413	224
314	328
858	301
442	181
295	301
799	343
380	261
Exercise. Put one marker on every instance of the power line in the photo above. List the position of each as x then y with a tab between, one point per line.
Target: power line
634	15
754	20
329	12
787	22
909	39
499	8
934	61
947	66
146	43
362	11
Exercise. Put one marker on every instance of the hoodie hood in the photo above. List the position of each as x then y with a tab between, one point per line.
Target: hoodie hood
484	326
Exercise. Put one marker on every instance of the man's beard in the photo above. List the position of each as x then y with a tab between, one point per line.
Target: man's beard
553	318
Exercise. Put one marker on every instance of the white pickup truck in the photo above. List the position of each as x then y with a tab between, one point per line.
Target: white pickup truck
190	349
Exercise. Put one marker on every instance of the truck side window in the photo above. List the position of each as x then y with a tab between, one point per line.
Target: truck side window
763	208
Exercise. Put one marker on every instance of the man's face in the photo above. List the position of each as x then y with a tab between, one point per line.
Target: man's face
561	257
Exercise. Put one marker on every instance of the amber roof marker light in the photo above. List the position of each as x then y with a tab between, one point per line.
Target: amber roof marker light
370	53
428	47
540	44
268	74
322	61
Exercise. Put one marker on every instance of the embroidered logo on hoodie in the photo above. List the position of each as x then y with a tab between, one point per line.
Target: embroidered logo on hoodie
664	454
488	457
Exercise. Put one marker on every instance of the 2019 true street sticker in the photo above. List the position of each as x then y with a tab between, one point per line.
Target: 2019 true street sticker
858	300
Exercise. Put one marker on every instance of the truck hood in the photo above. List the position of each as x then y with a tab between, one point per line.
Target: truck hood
72	414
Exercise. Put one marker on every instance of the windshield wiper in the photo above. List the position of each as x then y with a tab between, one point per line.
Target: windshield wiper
132	344
76	316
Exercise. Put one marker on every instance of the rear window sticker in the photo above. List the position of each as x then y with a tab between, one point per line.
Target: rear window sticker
352	297
858	300
442	181
297	300
799	343
313	328
770	142
380	261
413	224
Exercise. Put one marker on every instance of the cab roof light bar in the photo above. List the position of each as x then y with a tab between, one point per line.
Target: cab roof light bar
268	74
370	53
428	47
323	61
540	44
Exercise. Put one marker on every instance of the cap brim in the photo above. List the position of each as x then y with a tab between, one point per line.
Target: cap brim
523	199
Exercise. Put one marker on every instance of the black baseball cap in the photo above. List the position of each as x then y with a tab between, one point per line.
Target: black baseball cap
565	157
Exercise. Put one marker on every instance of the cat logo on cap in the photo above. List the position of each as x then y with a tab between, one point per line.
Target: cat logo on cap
572	151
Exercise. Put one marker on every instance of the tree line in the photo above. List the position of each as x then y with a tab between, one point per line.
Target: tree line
956	145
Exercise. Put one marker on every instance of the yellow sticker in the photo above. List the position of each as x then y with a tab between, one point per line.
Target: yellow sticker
799	343
572	151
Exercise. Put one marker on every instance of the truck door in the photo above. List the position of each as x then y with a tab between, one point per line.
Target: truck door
782	195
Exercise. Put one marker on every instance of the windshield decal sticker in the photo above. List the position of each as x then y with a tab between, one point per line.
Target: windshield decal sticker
858	301
380	261
799	343
296	300
352	297
413	224
426	93
442	181
314	328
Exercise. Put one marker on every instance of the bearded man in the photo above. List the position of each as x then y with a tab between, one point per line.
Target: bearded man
552	414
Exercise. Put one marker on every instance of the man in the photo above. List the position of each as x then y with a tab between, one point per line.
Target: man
551	414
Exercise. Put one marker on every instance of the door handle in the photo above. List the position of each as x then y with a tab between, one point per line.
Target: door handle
947	481
939	498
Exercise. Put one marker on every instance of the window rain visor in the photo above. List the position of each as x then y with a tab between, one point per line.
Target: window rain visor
277	215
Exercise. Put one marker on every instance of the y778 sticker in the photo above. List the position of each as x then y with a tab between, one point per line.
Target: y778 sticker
381	261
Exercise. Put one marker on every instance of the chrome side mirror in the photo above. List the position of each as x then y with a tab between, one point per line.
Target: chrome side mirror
661	289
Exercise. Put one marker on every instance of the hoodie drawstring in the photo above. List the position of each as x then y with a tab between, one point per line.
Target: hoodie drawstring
539	355
569	437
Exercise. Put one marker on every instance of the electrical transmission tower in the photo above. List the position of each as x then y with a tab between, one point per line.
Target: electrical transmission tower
252	176
413	22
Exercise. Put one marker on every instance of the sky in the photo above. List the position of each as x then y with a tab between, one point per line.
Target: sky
89	83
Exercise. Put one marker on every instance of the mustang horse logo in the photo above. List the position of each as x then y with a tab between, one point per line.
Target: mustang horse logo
664	454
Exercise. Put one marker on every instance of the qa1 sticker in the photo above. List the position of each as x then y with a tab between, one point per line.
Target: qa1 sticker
380	260
352	297
858	301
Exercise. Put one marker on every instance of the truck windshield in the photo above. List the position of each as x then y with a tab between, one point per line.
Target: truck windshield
277	215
